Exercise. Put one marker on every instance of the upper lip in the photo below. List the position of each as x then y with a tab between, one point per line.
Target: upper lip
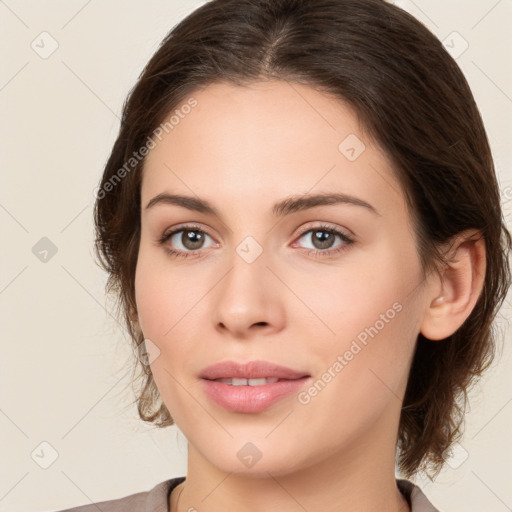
250	370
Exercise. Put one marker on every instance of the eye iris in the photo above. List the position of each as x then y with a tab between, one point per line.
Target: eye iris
323	238
192	239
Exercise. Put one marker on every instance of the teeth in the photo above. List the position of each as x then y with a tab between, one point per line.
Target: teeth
248	382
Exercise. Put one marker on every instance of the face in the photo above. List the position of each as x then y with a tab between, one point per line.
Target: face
331	290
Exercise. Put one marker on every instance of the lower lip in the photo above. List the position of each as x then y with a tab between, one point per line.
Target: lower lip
251	398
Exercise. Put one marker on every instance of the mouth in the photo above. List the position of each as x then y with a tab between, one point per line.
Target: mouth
247	382
251	372
250	387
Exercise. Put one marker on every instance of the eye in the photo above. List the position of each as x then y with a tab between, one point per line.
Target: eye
323	238
187	241
184	241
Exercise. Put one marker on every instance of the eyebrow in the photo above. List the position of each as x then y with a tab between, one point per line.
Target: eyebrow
280	209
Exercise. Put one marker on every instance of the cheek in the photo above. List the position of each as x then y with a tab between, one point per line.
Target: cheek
374	342
162	305
366	290
363	376
163	295
152	299
373	314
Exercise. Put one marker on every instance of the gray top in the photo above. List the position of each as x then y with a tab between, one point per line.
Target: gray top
157	499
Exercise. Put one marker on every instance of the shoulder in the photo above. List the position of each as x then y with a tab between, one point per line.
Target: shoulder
418	501
153	500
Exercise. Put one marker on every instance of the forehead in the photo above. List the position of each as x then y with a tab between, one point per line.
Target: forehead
266	139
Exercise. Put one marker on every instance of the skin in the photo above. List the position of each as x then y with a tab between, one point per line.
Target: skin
243	149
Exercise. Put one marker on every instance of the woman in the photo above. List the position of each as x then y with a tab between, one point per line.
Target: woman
301	219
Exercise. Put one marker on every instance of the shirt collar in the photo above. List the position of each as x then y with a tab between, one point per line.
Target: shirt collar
158	497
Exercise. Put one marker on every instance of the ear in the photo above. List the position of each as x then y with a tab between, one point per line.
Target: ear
454	292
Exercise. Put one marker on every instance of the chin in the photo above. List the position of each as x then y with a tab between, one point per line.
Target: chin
255	457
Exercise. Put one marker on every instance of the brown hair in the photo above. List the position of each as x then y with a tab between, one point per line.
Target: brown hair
412	99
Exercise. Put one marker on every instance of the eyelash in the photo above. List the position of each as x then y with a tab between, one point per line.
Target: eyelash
317	253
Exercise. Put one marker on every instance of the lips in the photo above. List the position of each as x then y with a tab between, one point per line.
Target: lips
251	387
250	370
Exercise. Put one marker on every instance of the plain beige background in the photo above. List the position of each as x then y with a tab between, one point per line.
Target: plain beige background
69	432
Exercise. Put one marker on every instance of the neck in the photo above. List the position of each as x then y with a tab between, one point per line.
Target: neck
357	478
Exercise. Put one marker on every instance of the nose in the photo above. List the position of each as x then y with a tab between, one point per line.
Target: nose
249	300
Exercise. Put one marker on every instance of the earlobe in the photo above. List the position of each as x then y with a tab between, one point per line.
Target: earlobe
461	283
